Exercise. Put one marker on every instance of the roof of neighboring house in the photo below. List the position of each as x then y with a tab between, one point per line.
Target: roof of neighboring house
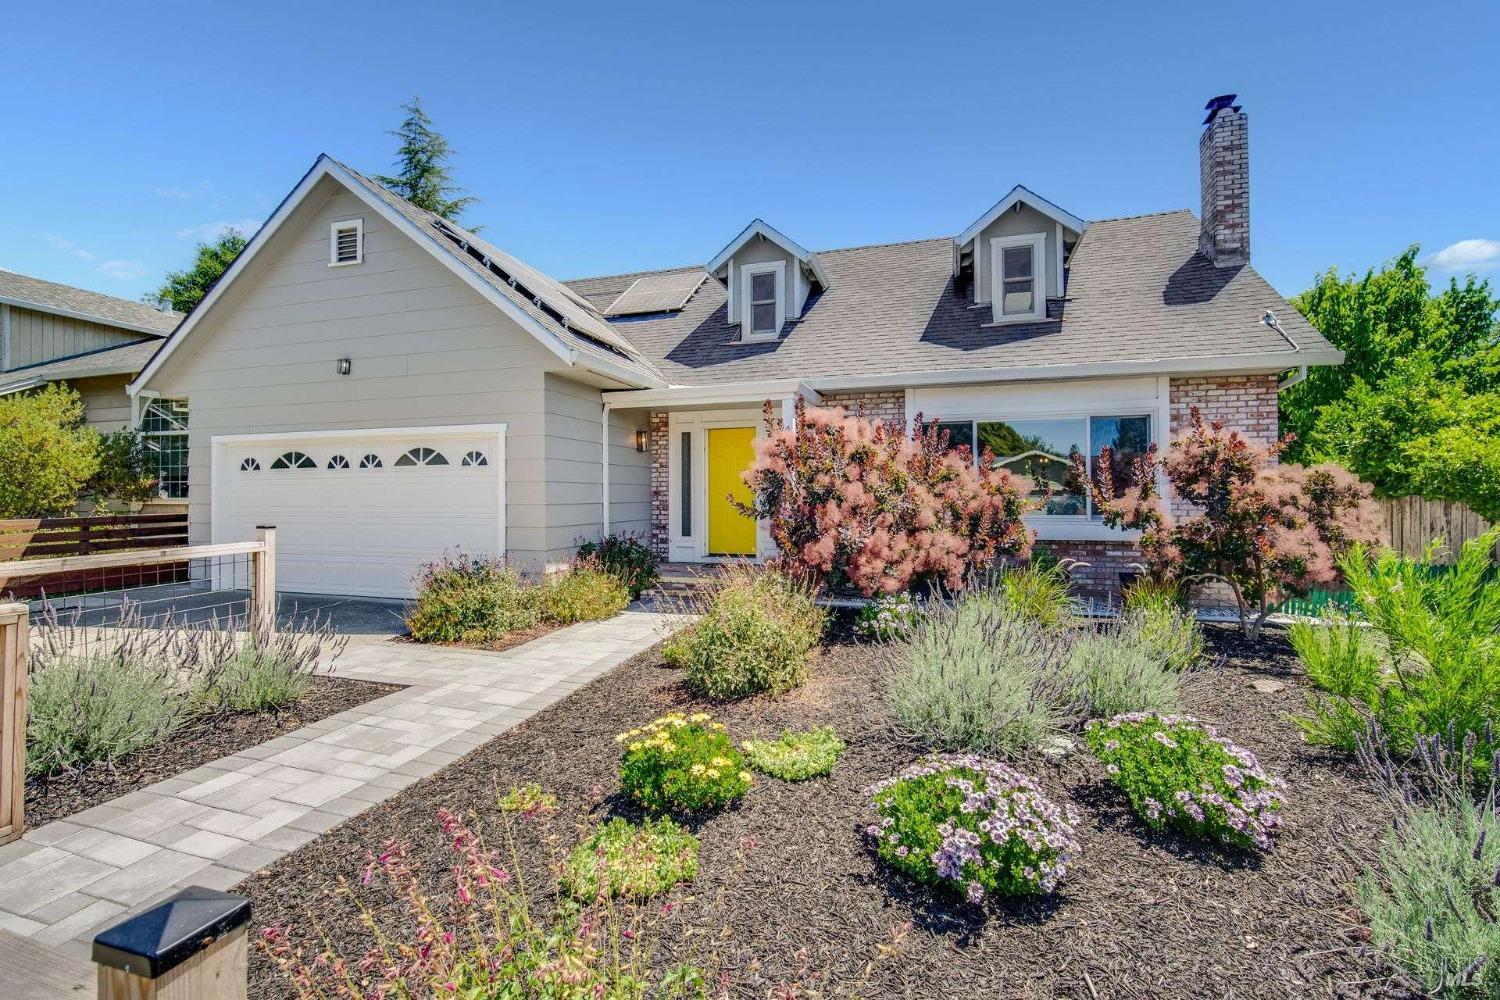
80	303
1138	291
124	359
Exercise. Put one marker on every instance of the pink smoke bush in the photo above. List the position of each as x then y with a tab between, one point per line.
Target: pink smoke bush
855	503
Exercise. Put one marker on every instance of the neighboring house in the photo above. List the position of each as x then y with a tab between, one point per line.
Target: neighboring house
382	384
96	344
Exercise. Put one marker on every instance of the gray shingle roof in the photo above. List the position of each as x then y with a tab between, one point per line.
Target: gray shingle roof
1137	292
49	296
126	359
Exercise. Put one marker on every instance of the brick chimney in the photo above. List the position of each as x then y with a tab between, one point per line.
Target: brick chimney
1224	171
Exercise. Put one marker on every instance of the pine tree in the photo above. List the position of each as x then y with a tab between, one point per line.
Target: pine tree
424	178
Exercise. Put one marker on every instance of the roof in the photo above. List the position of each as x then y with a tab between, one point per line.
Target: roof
80	303
569	326
1020	193
763	229
1138	294
123	359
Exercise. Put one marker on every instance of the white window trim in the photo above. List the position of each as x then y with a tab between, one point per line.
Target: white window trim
1038	244
333	242
182	432
747	302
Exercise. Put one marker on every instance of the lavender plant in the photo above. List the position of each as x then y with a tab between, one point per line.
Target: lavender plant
1157	620
1114	671
1178	772
974	826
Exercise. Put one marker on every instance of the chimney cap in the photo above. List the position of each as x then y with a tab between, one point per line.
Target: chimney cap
1221	103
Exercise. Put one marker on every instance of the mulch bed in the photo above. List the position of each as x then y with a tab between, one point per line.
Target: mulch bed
509	640
195	744
789	894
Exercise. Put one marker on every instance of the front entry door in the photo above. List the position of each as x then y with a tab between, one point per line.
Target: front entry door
730	452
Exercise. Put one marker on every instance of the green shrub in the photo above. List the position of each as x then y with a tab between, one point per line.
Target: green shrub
1037	590
795	756
464	598
1177	772
584	593
1160	623
979	675
47	452
1112	671
1434	666
262	672
888	618
621	859
1343	661
97	706
756	634
1432	900
974	826
627	557
529	800
682	763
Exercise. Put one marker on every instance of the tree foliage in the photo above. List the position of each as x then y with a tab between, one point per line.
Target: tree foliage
1267	531
126	470
856	503
47	453
423	176
185	289
1415	408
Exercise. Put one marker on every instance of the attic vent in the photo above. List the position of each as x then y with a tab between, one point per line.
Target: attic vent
346	242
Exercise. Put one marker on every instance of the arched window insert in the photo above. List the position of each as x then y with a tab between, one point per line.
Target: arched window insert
250	465
293	460
338	462
475	458
370	462
421	456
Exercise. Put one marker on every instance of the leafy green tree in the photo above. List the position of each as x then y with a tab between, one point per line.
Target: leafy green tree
126	470
47	452
1415	408
185	289
422	159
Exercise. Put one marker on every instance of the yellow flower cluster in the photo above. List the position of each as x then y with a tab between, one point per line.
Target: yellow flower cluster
658	732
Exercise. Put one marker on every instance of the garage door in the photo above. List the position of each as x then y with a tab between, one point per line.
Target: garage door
357	512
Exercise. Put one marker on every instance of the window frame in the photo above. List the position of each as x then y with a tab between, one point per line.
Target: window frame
1088	416
334	228
1037	242
178	431
748	272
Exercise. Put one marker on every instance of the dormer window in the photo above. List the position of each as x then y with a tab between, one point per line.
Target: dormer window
1018	269
346	242
764	299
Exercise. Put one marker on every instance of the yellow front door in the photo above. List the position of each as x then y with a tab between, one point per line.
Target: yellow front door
730	452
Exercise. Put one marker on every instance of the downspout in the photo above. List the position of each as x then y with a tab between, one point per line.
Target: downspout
604	461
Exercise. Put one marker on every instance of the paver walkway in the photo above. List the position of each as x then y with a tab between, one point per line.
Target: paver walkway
64	881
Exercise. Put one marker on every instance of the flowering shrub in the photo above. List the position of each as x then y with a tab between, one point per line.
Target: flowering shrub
470	598
528	800
486	942
682	763
1179	772
585	593
1267	531
754	634
888	617
854	503
621	859
627	557
795	756
972	825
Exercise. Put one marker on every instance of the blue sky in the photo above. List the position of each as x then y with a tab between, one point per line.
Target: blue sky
605	137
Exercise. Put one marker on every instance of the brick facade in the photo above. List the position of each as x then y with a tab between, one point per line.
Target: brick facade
887	404
1224	178
1100	566
660	484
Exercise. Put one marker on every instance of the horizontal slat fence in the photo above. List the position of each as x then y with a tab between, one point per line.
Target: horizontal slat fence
1411	523
58	537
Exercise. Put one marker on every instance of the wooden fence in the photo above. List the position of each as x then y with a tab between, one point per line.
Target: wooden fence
1412	523
59	537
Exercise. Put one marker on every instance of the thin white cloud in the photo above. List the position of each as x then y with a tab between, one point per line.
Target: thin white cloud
1467	255
124	270
192	192
68	247
210	231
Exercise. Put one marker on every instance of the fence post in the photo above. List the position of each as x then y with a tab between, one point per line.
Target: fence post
14	631
193	946
263	579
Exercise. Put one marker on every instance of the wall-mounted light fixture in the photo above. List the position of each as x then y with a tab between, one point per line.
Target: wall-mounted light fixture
345	366
640	441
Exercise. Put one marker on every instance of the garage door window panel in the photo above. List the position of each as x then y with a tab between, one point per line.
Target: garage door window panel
294	460
421	456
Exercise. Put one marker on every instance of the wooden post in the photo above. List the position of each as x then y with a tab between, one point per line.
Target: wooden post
193	946
263	580
14	631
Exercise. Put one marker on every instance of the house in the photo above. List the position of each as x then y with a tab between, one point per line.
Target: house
96	344
382	384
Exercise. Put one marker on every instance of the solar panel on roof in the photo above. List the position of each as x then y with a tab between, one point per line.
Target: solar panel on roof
656	293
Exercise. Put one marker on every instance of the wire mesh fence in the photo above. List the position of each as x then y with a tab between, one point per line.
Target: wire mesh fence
201	590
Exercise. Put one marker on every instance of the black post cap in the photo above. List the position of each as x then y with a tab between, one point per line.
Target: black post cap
152	943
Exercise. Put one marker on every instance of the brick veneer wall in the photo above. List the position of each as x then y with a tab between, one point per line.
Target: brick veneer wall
886	405
1246	403
659	444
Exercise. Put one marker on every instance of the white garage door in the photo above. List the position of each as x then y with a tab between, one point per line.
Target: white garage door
357	512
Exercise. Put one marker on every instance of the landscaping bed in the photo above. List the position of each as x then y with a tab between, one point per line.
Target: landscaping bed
198	742
787	891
